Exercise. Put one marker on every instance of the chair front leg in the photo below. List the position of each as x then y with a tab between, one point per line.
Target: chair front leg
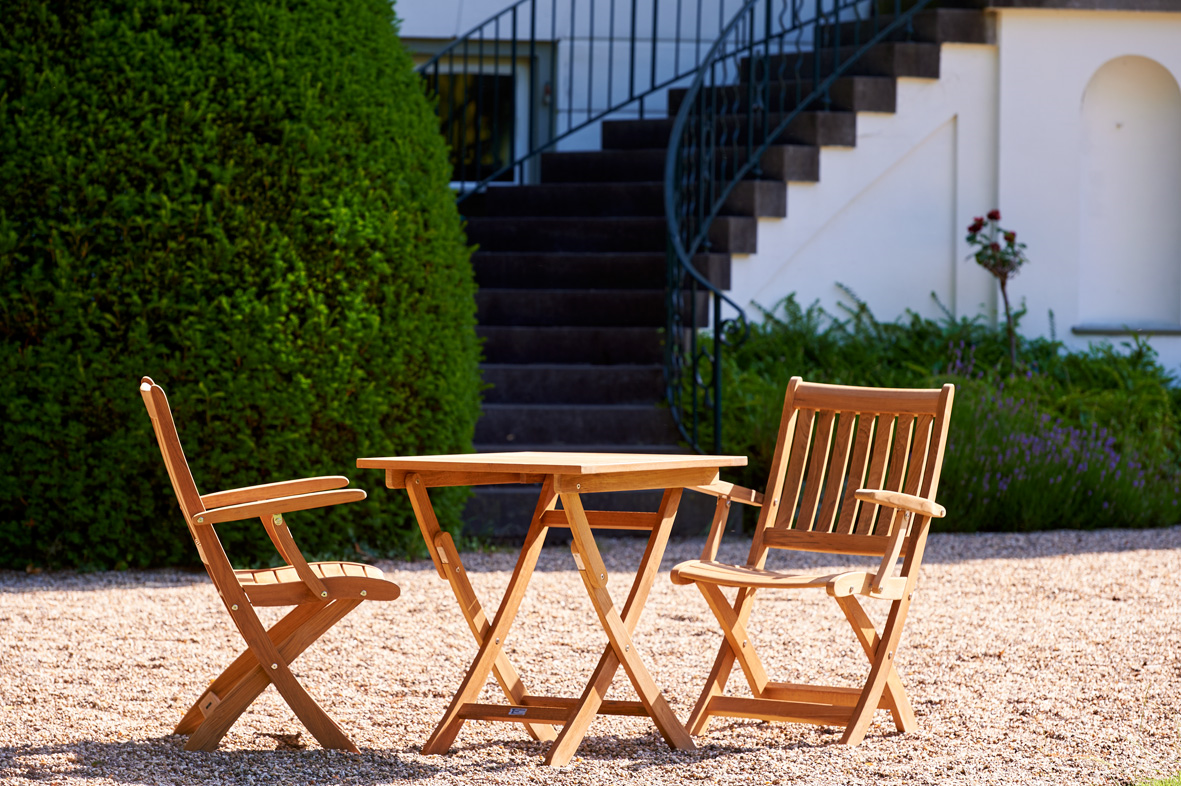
895	693
879	675
241	666
247	677
715	684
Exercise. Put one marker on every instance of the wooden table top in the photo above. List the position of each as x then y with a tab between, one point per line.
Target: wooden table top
551	463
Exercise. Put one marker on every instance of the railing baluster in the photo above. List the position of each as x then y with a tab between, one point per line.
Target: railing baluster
531	107
570	66
590	64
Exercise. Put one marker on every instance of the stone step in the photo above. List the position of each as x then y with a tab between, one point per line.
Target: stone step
932	25
782	93
563	383
576	424
606	270
888	59
733	234
596	345
580	307
760	198
817	129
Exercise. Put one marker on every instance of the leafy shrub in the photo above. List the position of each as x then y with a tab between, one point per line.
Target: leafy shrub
1078	439
248	202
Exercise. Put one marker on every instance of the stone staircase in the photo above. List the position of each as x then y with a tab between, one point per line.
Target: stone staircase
571	271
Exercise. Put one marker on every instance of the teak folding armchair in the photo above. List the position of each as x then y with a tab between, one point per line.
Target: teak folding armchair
854	471
321	592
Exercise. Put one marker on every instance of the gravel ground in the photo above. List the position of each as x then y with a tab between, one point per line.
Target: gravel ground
1045	658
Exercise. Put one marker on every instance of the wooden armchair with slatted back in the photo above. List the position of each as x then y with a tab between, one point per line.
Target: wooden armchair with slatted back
854	472
321	592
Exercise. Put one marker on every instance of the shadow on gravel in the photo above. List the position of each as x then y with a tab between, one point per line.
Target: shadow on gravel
162	760
639	751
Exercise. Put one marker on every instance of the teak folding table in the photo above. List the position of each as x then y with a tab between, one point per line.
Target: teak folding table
564	477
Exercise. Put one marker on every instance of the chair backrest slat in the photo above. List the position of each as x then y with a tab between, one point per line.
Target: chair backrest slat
856	473
789	499
834	485
817	465
903	431
845	439
875	477
918	453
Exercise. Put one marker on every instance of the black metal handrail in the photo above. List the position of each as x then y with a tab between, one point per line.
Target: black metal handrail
544	60
774	60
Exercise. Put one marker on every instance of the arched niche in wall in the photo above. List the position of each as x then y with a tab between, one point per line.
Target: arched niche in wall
1130	266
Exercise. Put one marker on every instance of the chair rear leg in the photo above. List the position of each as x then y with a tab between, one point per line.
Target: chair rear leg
304	625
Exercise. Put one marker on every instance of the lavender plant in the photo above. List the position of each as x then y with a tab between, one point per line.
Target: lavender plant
1011	465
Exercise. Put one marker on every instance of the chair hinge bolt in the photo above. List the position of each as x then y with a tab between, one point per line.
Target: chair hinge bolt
277	520
363	593
577	485
602	577
200	519
234	607
324	594
627	647
497	639
274	665
744	642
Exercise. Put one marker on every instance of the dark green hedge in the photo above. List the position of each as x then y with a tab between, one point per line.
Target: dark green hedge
248	202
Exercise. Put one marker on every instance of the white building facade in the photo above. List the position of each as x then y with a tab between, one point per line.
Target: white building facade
1068	121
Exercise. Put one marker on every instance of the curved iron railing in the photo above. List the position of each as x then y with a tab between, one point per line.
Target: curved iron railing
774	60
559	68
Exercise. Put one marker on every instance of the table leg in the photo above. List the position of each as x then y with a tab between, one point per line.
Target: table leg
620	650
489	637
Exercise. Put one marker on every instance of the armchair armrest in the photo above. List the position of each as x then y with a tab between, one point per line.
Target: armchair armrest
910	505
720	488
269	507
726	493
901	501
286	488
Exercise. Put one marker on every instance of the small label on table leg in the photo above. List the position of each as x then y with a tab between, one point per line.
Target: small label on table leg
516	710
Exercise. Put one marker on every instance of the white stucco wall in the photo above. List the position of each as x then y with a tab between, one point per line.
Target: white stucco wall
886	218
1093	186
1005	126
1047	60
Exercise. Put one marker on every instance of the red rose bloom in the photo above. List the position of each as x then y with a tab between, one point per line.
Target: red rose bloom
1010	237
994	215
994	246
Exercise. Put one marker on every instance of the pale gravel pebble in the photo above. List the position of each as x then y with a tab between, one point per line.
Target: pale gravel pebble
1047	658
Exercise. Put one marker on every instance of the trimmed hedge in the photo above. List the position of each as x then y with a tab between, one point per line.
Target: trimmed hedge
248	202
